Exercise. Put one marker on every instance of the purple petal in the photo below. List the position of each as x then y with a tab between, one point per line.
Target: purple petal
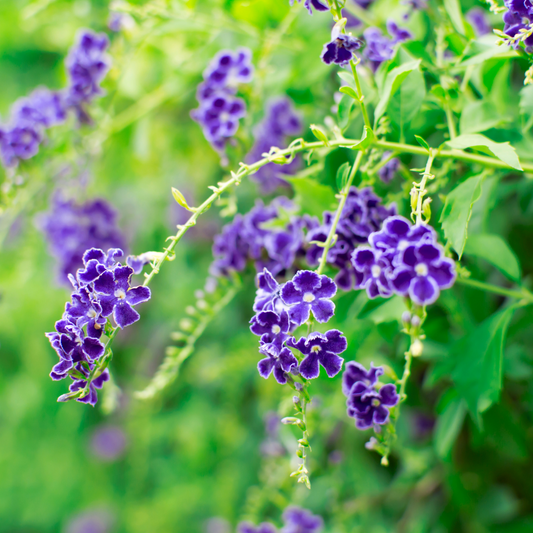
332	363
429	252
265	367
287	359
336	342
329	53
327	288
309	367
93	253
307	281
409	256
105	284
124	314
290	294
323	310
381	415
300	313
101	379
279	375
93	348
424	290
402	280
365	421
138	295
444	274
388	395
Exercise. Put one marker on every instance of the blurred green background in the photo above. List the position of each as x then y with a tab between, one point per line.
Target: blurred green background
202	454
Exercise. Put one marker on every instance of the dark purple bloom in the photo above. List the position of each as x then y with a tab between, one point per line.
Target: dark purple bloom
219	117
230	249
320	349
87	65
477	16
96	383
374	268
278	359
399	35
298	520
308	292
340	49
86	312
380	48
271	327
42	108
523	8
356	372
108	442
117	297
422	272
387	172
229	69
247	527
371	406
268	296
72	228
319	5
19	140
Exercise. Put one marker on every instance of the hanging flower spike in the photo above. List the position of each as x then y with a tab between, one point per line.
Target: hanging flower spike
96	383
229	69
341	47
370	407
423	272
298	520
374	268
268	295
307	292
279	360
85	311
320	349
357	373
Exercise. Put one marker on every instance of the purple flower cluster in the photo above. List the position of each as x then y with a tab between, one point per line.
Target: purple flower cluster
404	259
30	116
219	109
362	215
280	122
367	403
247	237
518	17
101	289
341	48
72	228
280	309
295	520
379	47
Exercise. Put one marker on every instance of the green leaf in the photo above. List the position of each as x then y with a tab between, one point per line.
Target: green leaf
319	133
422	142
484	48
479	360
366	140
344	109
313	197
496	251
503	151
343	172
349	91
449	425
392	83
526	105
458	210
407	101
383	310
478	116
180	199
453	8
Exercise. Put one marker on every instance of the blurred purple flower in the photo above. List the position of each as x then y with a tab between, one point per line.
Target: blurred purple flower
108	442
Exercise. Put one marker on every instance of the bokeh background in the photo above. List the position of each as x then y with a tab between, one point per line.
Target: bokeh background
209	451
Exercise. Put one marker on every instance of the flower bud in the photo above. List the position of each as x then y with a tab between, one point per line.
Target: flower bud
406	318
417	348
415	321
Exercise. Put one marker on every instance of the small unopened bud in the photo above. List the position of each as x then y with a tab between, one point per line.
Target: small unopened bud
295	400
198	294
406	317
385	461
186	324
202	305
415	321
372	443
190	310
298	386
290	421
417	348
426	209
414	199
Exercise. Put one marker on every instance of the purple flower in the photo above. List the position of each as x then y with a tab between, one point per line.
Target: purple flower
298	520
380	48
372	406
268	295
397	234
87	65
278	359
374	268
308	292
117	297
230	249
247	527
399	35
422	272
357	373
387	172
219	117
340	49
19	140
229	69
93	521
72	228
72	347
108	442
320	349
271	327
319	5
96	383
42	108
86	312
477	16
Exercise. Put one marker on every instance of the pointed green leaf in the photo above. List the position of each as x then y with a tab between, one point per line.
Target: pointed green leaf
458	210
406	102
422	142
366	140
349	91
392	83
343	172
449	425
478	369
344	109
495	250
319	133
503	151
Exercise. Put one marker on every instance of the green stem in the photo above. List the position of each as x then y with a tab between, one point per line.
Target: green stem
344	196
360	94
422	186
522	294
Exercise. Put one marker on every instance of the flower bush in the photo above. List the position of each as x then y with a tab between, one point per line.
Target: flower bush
323	208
